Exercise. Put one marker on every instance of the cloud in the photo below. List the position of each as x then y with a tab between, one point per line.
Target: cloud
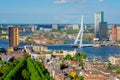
67	1
100	0
84	1
62	1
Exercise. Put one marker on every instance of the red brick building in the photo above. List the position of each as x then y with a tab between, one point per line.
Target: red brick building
116	33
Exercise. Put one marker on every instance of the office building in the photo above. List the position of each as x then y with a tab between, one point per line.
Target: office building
103	30
116	33
100	26
13	38
99	16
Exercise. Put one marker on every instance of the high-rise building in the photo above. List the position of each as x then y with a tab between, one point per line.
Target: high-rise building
101	27
103	30
116	33
99	17
32	28
13	38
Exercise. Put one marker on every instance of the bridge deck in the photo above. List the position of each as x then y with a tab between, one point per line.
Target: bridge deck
73	45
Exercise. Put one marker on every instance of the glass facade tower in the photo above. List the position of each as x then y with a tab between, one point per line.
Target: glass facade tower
99	18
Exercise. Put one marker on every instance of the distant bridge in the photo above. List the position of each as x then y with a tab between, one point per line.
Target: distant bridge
80	37
74	45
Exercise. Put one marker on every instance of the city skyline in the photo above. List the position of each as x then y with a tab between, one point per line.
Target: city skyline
57	11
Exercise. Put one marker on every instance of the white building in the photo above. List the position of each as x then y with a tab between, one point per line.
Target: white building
47	29
64	53
115	60
55	27
117	78
75	26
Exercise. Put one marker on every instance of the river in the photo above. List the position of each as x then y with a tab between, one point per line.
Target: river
4	43
102	52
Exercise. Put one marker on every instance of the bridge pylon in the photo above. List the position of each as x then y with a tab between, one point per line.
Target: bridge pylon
80	35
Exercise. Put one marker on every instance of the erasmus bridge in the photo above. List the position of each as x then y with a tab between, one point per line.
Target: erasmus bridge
80	37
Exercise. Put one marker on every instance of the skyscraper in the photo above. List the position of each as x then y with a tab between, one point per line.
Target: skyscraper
99	17
13	38
103	28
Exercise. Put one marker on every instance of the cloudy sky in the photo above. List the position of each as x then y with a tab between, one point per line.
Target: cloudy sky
57	11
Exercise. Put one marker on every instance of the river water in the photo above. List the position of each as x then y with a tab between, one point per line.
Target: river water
102	52
4	43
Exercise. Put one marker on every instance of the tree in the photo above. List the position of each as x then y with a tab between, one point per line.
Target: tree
29	40
48	52
109	66
80	78
87	38
68	57
70	77
70	31
12	74
77	55
32	69
59	51
26	55
1	74
0	53
62	66
118	71
25	74
84	56
38	52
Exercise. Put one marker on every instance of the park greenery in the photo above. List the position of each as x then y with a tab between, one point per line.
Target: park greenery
48	52
1	62
28	40
0	53
118	71
89	31
59	51
77	56
69	31
74	31
5	68
113	67
24	69
3	34
87	38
